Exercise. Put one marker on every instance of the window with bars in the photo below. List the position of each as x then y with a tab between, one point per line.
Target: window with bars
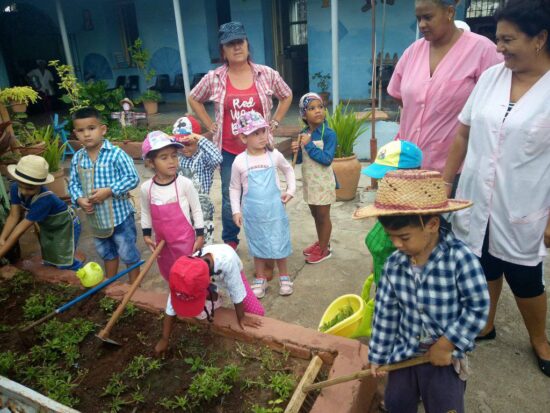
298	22
482	8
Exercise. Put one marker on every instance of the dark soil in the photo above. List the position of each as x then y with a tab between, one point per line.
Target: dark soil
138	334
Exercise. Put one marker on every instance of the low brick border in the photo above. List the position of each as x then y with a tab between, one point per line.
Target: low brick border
346	356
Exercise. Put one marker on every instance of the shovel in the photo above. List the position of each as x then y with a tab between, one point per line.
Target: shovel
365	373
81	297
103	335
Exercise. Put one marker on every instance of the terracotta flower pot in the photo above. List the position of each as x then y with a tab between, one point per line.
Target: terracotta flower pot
132	148
59	185
348	171
151	107
18	107
36	149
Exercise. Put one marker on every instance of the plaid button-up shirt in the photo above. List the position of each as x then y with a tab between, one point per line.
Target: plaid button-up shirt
203	163
449	299
113	169
212	87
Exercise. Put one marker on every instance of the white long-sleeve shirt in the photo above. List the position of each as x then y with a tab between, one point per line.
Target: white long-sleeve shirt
188	199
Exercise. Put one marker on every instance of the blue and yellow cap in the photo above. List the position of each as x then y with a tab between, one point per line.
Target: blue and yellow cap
392	156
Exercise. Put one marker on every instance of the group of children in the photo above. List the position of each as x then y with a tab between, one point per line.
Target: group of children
431	293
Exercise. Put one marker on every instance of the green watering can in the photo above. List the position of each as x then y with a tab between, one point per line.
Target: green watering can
90	275
365	328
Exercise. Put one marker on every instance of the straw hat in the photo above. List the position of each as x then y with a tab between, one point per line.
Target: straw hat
32	170
411	192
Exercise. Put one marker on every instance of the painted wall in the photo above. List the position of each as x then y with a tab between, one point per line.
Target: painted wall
4	81
250	13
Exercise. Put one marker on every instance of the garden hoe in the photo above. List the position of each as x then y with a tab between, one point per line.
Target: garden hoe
81	297
103	335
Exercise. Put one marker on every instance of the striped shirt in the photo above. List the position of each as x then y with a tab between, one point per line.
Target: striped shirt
448	298
203	163
113	169
213	87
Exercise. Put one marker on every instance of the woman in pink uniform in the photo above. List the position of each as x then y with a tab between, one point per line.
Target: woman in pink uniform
435	76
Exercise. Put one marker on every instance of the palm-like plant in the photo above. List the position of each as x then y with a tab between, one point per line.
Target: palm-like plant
348	128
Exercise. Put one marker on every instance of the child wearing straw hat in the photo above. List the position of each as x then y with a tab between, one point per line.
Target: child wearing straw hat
58	223
432	297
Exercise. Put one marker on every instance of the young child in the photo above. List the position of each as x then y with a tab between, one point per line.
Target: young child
199	159
432	298
254	176
58	223
193	295
102	175
316	147
169	203
392	156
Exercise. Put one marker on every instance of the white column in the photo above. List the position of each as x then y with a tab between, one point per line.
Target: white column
64	36
181	46
335	69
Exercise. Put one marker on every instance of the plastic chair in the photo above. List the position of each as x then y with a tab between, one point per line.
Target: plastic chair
59	128
162	83
120	81
178	83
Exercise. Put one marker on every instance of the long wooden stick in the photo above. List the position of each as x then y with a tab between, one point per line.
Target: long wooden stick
295	157
103	334
295	403
365	373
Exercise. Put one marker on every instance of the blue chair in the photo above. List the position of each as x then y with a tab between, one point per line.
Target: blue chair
59	128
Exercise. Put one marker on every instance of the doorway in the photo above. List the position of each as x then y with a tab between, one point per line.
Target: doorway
290	43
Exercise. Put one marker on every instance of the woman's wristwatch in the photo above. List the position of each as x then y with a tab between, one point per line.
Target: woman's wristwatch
274	123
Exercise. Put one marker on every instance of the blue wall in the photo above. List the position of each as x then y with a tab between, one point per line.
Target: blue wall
250	13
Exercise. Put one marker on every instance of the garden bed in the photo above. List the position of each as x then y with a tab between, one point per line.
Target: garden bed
202	371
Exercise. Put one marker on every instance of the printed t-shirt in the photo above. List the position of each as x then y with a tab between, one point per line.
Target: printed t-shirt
237	102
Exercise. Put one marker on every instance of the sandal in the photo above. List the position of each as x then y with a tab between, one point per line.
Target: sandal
259	286
285	285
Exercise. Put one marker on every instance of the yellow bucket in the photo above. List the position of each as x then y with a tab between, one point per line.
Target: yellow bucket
346	327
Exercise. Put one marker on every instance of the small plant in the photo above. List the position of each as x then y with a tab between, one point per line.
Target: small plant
195	363
213	382
107	305
117	404
282	384
140	58
137	396
54	153
115	387
341	315
140	366
19	94
322	81
8	359
149	95
21	281
69	83
130	310
37	305
58	385
178	402
4	328
347	127
274	408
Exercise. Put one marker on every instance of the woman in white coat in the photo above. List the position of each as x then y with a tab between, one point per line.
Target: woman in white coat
504	141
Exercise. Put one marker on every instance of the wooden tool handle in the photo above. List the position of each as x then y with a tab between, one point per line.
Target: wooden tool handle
118	312
365	373
295	157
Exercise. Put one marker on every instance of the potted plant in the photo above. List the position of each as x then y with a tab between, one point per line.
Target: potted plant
53	155
18	97
30	139
348	127
322	85
150	99
140	58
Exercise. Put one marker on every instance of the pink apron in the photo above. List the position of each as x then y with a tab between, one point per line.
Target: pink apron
171	224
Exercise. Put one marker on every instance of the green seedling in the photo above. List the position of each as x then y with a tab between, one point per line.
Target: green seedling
195	363
117	404
213	382
38	305
282	384
270	361
178	402
58	385
342	314
140	366
273	407
137	396
21	282
9	361
107	305
130	310
193	328
115	387
249	383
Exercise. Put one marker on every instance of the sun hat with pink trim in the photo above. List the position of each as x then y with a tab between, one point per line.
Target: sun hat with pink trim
156	140
251	121
411	192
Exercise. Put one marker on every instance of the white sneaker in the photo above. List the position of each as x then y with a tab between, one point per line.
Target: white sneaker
208	304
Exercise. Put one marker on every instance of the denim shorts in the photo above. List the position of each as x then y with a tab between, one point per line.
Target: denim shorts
121	244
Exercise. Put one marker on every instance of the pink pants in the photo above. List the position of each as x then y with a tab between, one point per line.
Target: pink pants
251	304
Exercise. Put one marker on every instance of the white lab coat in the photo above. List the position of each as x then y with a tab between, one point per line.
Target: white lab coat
507	169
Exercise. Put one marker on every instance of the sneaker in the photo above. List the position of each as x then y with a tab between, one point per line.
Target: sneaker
318	256
285	285
313	247
259	286
208	304
233	244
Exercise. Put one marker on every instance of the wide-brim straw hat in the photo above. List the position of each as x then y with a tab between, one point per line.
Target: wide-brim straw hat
32	170
128	101
411	192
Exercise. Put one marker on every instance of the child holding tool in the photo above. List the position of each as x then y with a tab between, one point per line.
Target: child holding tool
254	176
32	203
316	146
192	293
432	298
102	176
199	158
170	204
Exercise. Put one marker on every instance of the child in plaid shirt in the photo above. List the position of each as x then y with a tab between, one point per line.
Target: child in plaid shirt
432	298
102	175
198	160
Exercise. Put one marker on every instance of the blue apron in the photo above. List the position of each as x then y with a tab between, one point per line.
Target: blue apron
264	216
